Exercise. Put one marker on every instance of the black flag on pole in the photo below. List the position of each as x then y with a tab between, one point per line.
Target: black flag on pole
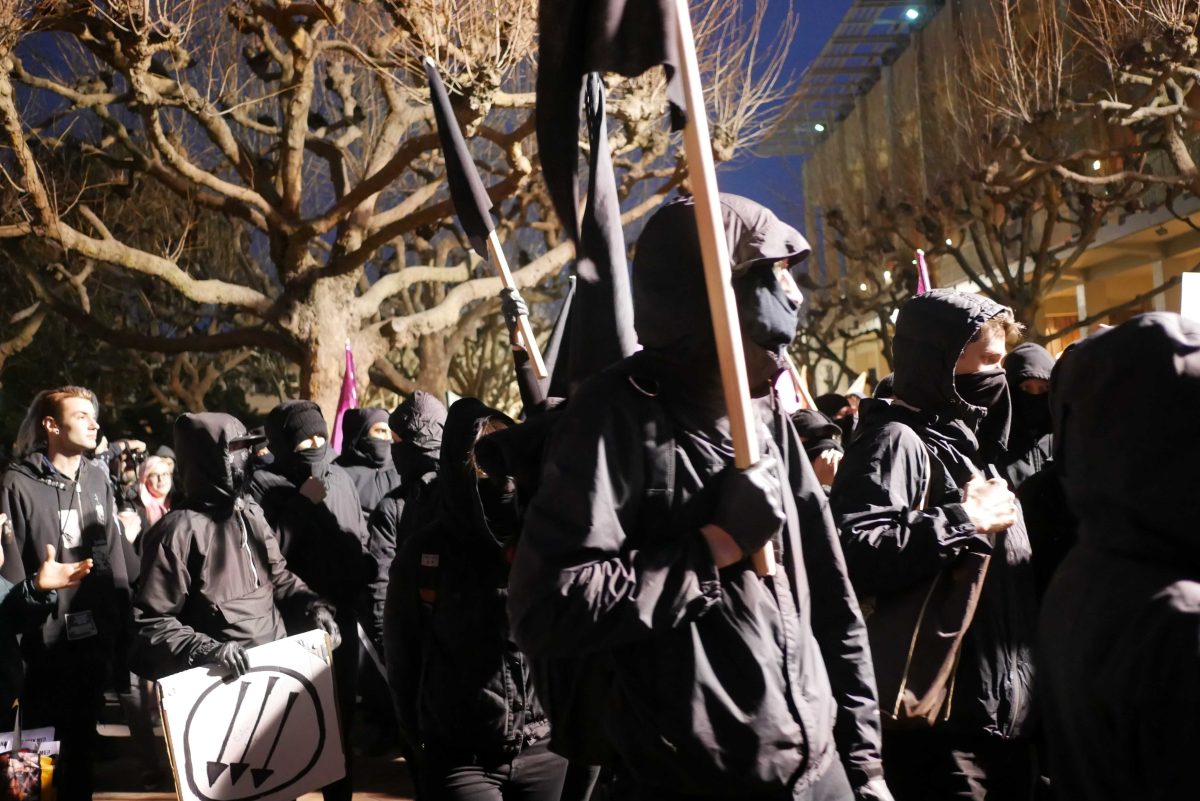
471	201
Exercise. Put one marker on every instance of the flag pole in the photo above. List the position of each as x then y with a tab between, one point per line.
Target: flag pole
717	273
524	328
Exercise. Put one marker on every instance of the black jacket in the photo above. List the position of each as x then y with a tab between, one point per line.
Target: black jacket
461	682
895	537
212	570
325	543
34	494
1119	662
1030	441
22	606
722	683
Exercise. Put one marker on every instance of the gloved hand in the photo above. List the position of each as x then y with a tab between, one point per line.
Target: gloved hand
874	790
322	617
750	504
512	306
231	657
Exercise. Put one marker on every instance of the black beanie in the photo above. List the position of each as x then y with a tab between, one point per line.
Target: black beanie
292	422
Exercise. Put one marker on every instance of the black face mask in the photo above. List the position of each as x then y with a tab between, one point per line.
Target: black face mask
499	497
306	464
769	317
847	425
989	390
377	450
1033	412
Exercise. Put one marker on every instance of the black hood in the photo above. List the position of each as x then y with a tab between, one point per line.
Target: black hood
1128	484
931	332
670	299
418	421
289	424
212	450
463	505
1031	413
359	449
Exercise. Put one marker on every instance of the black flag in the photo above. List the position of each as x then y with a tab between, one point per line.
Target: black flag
471	201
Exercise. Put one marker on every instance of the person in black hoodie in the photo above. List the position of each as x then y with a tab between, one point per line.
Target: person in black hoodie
213	579
908	498
465	693
367	455
711	681
54	495
1030	441
313	506
1119	664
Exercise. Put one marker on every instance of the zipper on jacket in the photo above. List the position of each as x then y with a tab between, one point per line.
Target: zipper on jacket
246	548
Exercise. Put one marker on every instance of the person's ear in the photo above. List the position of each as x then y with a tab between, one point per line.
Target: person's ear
50	424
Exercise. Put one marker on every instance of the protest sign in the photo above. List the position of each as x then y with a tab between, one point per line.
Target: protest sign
270	734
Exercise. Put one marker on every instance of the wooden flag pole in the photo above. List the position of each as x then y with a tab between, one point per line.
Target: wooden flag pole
717	272
524	329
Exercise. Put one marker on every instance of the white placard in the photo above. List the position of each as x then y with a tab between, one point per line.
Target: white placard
1189	306
31	740
269	735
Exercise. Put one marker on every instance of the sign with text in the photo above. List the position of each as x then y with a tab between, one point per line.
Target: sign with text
269	735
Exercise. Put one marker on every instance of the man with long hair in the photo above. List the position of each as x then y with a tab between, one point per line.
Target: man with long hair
54	495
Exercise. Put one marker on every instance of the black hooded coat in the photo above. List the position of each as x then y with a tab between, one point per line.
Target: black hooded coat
892	541
1030	442
721	684
459	680
325	543
212	570
368	461
1119	647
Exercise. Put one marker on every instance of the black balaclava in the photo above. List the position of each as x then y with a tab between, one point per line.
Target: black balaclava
670	298
481	509
358	447
212	460
829	405
1031	413
289	424
419	422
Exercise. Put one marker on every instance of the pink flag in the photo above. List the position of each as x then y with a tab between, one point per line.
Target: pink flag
923	282
347	400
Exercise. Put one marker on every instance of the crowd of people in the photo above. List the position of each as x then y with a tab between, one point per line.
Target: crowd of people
565	605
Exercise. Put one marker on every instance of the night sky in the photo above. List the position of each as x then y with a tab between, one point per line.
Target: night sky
775	181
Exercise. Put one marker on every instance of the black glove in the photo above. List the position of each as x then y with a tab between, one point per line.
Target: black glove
231	657
750	504
322	617
512	306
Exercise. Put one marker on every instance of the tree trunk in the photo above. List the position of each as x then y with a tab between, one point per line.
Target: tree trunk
323	323
433	375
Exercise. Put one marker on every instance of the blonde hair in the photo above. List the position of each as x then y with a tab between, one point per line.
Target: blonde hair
31	436
1003	323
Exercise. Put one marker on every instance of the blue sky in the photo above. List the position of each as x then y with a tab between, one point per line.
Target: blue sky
774	180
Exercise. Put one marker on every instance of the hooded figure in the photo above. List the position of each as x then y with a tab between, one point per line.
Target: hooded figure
900	505
212	571
1030	440
461	685
367	459
1119	666
840	410
312	504
706	681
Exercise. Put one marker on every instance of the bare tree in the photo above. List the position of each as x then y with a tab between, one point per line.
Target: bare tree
305	128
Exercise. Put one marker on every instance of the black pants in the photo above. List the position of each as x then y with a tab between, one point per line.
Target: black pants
345	676
832	786
534	774
64	688
938	766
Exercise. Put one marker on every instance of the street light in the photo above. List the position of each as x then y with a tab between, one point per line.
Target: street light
819	127
911	14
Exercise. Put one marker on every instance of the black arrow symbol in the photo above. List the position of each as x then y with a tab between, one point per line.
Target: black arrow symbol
215	769
260	775
236	769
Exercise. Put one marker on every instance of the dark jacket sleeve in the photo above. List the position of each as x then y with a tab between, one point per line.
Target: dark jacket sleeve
407	639
889	542
532	391
23	606
162	644
837	624
381	544
579	584
13	568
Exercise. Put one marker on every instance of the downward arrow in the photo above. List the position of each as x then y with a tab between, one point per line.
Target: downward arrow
260	775
215	769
